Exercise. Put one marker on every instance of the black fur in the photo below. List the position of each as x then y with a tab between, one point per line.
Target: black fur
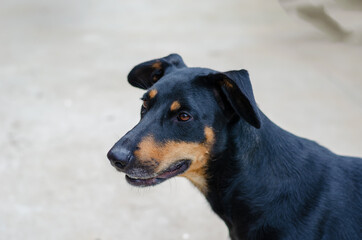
264	182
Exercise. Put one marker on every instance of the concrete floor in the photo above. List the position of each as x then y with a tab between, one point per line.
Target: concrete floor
64	101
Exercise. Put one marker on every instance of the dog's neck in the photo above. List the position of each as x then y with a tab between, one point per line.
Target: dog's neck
255	172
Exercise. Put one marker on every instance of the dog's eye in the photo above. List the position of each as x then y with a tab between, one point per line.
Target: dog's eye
183	117
145	104
144	107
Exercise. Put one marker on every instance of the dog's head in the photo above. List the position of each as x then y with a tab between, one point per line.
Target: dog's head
185	116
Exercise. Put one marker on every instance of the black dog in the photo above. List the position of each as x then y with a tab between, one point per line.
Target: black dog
264	182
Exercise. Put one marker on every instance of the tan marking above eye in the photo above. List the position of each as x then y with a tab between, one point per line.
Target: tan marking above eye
227	83
172	151
157	65
152	93
175	106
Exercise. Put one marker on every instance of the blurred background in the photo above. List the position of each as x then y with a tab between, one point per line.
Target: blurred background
64	101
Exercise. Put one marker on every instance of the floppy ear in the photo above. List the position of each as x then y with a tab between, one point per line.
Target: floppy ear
144	75
236	86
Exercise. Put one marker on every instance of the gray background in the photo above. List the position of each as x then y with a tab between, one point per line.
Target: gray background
64	101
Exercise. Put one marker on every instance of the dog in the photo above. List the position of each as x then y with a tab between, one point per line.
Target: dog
262	181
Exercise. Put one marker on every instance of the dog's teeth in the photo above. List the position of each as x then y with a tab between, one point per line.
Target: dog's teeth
139	178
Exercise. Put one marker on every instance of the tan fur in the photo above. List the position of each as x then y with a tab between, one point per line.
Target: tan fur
157	65
175	106
172	151
227	84
152	93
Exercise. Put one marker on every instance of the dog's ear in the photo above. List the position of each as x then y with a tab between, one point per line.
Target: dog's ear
237	89
145	74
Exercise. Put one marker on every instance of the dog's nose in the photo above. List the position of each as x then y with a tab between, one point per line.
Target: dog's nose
119	157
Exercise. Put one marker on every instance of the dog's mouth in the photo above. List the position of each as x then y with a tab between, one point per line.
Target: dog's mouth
172	171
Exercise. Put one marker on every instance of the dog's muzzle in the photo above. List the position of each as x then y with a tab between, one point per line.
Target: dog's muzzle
119	158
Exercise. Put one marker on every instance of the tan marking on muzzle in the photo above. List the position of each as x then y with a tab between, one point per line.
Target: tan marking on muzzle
175	106
152	93
172	151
